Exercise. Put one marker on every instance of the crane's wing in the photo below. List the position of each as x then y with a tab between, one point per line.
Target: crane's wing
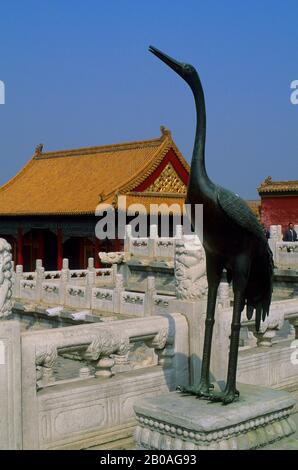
237	210
260	284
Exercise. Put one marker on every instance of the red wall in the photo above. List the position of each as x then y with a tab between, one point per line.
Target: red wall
279	210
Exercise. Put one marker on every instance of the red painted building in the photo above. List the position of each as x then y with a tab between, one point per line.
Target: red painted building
47	211
279	202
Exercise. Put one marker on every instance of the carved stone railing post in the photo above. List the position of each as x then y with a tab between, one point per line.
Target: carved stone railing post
65	274
18	278
127	239
118	289
179	232
90	266
90	281
275	236
5	279
153	231
114	273
150	293
39	280
152	241
64	279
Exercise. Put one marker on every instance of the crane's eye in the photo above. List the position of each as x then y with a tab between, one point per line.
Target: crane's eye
188	68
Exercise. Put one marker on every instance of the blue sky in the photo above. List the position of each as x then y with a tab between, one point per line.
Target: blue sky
79	74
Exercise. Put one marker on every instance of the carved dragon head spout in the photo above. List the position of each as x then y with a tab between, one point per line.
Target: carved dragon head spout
186	71
5	278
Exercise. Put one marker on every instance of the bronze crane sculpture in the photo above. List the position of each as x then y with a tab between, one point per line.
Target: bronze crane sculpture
233	239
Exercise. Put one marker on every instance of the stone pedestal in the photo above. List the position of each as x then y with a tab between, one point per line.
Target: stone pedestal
177	422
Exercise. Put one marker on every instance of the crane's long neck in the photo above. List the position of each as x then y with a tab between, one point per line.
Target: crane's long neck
198	177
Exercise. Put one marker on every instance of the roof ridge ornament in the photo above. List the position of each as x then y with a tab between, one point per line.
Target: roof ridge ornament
267	180
38	150
165	132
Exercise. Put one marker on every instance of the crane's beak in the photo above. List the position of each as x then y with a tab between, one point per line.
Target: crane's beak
174	64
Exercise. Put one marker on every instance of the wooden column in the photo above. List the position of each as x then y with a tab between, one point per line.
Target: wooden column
97	262
59	249
117	244
40	245
20	246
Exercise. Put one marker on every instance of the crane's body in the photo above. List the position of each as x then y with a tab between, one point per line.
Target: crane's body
233	240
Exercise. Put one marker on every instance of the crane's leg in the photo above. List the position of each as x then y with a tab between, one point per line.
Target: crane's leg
240	278
214	271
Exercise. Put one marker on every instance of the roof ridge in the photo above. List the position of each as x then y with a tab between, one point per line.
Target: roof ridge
147	169
99	148
22	170
280	182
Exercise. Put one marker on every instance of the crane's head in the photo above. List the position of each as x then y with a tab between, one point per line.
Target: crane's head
186	71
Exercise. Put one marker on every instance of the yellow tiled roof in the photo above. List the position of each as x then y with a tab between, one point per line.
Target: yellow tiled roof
76	181
269	186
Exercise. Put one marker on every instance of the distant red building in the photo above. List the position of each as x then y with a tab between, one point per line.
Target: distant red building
279	202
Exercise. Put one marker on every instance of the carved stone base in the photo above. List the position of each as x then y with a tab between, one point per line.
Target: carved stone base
173	421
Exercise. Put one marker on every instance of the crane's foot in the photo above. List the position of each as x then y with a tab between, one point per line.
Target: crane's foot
201	390
225	397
